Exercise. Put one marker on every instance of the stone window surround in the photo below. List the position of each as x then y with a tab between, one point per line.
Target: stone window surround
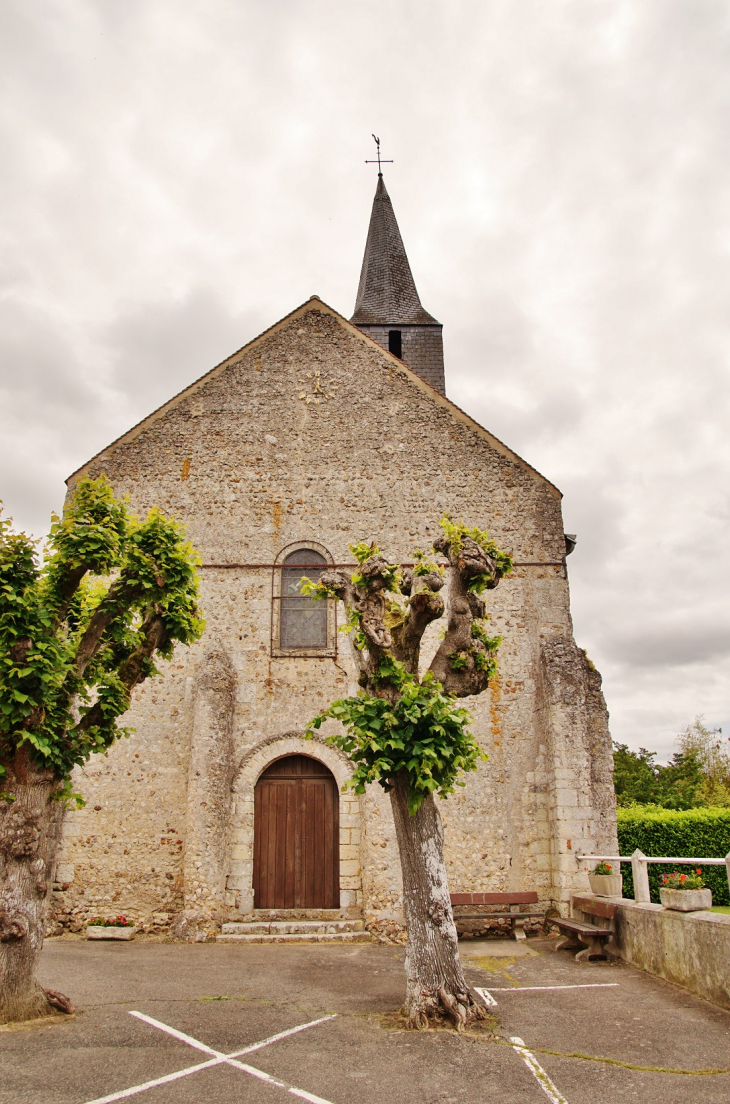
330	651
239	883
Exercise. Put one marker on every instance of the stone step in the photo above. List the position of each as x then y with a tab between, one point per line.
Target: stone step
293	927
270	915
297	937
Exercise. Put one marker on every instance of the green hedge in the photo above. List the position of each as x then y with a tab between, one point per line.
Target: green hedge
702	832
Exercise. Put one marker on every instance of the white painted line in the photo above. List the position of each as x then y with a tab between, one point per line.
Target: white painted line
124	1093
486	994
486	997
232	1061
535	988
537	1071
281	1035
179	1035
280	1084
218	1059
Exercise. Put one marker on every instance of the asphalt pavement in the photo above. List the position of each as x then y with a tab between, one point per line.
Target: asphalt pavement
320	1023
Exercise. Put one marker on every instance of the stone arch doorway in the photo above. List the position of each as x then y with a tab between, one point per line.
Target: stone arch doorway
296	836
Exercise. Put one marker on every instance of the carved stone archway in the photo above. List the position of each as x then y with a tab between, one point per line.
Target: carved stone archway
239	884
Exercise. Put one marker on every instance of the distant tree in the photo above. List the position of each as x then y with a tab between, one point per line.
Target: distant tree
639	779
712	752
635	775
698	774
681	782
80	627
409	734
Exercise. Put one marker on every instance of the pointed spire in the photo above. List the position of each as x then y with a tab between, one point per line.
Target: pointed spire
387	293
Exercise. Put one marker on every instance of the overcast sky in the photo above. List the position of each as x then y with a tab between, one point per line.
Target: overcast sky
178	175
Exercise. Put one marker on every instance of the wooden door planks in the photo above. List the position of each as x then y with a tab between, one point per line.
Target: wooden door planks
296	836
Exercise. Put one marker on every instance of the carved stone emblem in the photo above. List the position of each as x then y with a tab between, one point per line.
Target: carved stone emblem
315	387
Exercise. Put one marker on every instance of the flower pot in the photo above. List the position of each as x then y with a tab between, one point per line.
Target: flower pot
606	885
99	931
686	900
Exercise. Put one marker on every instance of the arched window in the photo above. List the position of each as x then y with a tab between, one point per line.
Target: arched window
302	620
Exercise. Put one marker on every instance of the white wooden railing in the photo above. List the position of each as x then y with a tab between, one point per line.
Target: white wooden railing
640	868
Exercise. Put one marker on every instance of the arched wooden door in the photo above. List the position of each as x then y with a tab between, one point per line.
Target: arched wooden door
296	836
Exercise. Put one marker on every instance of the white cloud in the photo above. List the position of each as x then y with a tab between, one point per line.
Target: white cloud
177	176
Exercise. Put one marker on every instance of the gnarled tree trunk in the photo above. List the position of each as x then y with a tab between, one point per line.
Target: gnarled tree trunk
29	831
391	630
435	985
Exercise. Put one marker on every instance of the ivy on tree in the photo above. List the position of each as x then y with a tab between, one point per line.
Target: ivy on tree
408	733
80	627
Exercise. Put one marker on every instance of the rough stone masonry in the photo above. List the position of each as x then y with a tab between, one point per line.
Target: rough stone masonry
309	438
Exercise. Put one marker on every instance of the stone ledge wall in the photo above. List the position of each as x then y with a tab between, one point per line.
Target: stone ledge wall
691	949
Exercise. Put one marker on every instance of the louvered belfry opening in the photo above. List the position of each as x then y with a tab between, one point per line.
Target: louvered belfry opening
296	836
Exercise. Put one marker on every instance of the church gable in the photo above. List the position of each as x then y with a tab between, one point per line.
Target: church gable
313	429
318	433
309	325
314	422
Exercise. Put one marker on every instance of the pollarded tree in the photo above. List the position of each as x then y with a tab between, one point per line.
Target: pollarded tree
79	629
410	735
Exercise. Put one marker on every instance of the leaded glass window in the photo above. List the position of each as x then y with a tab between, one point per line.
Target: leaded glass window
303	620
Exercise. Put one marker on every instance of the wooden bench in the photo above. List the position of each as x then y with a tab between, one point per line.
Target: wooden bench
513	901
589	937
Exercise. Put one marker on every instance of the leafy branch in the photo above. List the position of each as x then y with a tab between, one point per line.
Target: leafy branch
424	733
82	624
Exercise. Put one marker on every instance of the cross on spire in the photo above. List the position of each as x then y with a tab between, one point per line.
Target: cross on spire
378	162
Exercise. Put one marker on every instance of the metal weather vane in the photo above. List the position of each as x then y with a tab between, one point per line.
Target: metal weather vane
379	161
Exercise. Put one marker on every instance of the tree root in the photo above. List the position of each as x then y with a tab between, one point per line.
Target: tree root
431	1009
59	1001
38	1005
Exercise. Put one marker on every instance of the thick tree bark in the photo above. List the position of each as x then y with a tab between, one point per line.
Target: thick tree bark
122	592
464	607
435	985
29	833
436	989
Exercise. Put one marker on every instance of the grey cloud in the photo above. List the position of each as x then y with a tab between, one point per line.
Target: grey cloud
46	406
671	645
38	376
159	347
176	178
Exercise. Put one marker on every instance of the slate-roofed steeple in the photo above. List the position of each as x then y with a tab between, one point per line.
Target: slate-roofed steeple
387	292
388	307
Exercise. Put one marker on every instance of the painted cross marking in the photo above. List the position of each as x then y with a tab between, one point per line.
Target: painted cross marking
217	1058
548	1087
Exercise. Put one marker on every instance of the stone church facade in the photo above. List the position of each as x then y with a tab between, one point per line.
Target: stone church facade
318	433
